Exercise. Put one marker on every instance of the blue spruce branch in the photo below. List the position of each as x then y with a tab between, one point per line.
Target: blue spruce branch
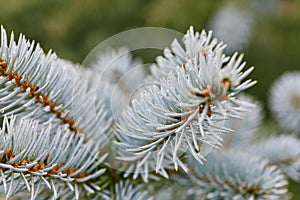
59	125
46	88
35	158
185	110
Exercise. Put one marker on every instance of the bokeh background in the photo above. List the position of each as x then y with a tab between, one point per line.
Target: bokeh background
72	28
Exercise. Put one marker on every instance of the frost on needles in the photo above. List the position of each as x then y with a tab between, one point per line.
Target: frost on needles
60	134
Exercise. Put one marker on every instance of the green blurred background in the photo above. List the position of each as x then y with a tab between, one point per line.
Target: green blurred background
72	28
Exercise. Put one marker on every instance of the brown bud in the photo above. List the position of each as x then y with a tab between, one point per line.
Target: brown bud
226	83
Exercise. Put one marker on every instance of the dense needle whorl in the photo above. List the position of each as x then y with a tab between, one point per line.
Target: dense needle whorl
184	105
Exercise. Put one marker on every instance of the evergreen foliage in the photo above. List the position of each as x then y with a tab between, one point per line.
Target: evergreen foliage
190	124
